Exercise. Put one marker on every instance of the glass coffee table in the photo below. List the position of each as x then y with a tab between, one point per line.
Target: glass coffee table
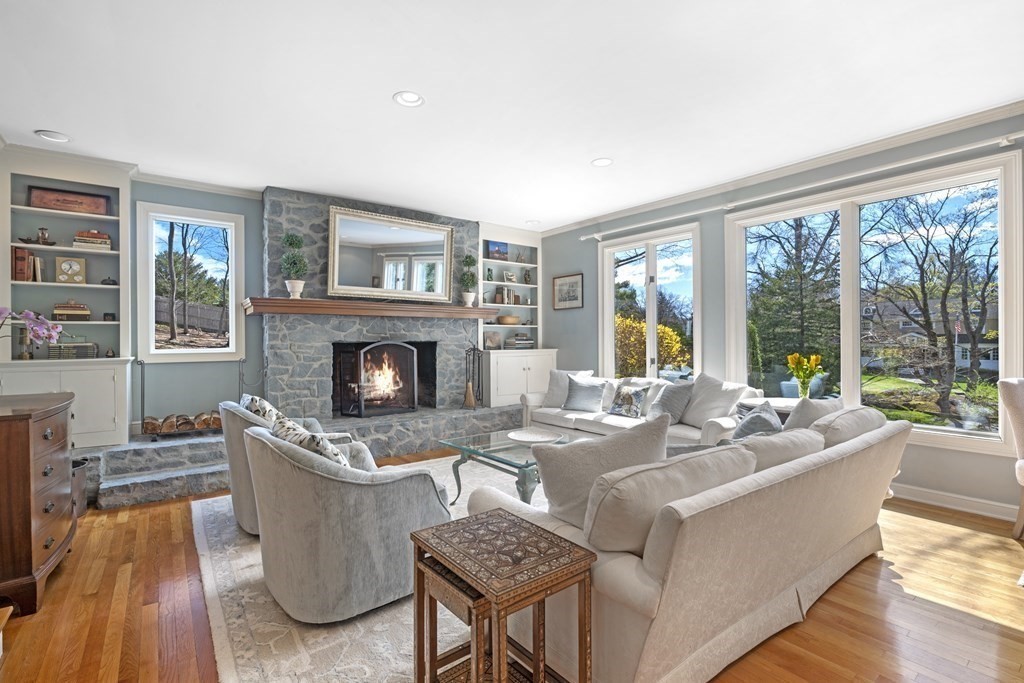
501	453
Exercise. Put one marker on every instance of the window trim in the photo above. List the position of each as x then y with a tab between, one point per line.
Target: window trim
1005	168
146	213
606	286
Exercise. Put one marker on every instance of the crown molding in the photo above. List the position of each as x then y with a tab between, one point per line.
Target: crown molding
122	166
857	151
197	185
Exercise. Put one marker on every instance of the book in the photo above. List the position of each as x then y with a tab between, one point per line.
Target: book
92	245
92	234
37	269
94	240
20	265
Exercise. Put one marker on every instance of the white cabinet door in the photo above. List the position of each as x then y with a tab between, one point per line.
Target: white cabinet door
510	376
36	382
538	369
96	406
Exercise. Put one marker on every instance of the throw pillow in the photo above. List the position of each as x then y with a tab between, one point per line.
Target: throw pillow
762	419
654	384
569	471
584	395
558	386
672	401
808	410
712	398
292	432
782	447
623	504
259	406
847	424
628	401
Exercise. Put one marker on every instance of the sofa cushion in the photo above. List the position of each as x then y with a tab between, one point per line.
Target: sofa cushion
622	504
681	433
782	447
558	386
628	400
654	385
294	433
556	417
672	399
760	420
604	423
847	424
585	395
569	471
712	398
807	410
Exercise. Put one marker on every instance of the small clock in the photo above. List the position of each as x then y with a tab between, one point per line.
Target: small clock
71	270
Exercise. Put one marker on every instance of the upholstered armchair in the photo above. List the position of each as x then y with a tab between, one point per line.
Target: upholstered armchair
334	539
1011	395
234	420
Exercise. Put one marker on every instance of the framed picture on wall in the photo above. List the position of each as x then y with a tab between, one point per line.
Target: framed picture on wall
567	291
497	251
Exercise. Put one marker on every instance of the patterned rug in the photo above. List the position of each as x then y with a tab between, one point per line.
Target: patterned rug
254	640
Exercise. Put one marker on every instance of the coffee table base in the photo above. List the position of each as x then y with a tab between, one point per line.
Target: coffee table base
526	477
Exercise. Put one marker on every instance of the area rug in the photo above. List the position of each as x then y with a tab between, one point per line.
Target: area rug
254	640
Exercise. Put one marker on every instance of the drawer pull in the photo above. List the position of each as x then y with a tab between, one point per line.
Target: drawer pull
48	434
49	507
49	543
48	470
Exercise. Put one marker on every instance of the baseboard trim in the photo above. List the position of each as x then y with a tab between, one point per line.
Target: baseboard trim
955	501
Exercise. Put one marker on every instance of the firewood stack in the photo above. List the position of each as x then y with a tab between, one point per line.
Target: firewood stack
181	423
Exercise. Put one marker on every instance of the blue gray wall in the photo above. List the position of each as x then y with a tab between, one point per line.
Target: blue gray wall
572	332
182	387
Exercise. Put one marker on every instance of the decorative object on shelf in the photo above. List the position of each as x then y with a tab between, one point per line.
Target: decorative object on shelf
110	317
40	330
529	301
375	281
65	200
474	373
517	300
31	240
520	258
43	235
467	280
804	370
508	319
73	350
490	274
496	251
110	352
71	310
293	264
510	276
527	278
567	291
498	298
534	435
26	345
93	239
109	281
492	341
71	270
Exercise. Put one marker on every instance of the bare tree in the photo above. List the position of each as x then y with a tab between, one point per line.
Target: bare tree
225	245
174	281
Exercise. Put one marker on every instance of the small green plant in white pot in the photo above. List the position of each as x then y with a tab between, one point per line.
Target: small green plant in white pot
293	264
468	280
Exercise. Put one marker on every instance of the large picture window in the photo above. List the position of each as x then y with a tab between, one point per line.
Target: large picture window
190	278
909	289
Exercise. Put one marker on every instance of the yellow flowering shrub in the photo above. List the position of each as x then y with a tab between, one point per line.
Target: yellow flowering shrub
631	347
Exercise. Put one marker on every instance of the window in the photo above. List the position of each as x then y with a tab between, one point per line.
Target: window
394	272
930	260
647	306
428	274
190	278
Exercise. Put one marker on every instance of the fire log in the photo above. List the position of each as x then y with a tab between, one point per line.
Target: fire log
202	421
215	420
184	423
150	425
168	425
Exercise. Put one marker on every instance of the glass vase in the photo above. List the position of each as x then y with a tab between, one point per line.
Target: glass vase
803	388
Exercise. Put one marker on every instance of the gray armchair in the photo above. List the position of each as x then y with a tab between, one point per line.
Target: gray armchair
234	420
335	540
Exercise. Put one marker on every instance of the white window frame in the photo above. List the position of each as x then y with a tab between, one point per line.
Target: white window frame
401	263
1005	168
423	261
606	291
146	214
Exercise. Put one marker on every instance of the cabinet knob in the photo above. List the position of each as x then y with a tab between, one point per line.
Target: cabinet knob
49	543
48	470
49	508
48	434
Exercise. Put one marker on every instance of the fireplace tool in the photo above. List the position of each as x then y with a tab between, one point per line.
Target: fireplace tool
474	368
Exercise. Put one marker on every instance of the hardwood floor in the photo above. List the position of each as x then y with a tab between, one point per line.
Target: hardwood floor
940	604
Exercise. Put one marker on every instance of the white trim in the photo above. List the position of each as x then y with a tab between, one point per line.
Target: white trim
880	145
954	501
213	188
54	155
146	213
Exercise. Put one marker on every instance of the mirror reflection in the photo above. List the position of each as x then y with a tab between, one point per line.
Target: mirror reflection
381	256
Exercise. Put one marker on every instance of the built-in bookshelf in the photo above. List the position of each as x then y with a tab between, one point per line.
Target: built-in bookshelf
510	282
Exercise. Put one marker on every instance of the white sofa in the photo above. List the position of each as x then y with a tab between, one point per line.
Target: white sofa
601	423
724	569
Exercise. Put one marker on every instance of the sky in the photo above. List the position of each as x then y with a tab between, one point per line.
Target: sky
675	273
211	258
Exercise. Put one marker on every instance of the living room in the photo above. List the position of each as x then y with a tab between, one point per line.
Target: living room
456	230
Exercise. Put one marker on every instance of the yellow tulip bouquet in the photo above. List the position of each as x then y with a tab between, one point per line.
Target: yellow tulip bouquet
804	370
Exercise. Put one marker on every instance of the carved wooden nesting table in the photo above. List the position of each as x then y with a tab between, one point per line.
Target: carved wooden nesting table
483	568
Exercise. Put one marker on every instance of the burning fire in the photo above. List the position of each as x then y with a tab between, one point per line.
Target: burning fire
380	383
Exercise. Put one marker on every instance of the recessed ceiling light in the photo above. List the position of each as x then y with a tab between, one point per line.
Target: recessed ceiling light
532	222
52	136
601	162
408	98
395	228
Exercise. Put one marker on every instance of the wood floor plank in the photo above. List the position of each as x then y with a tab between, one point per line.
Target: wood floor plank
149	655
110	657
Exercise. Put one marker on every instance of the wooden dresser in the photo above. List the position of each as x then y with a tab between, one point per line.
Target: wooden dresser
37	519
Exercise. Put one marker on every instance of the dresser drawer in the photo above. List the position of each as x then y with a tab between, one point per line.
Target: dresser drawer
51	468
49	535
49	433
49	504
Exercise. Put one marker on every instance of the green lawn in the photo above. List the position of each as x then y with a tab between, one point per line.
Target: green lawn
874	384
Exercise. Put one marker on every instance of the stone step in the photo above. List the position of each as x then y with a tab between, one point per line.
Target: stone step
155	486
143	456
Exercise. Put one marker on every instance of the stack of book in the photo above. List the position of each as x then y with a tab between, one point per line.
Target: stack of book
73	350
25	266
520	340
92	239
70	310
507	295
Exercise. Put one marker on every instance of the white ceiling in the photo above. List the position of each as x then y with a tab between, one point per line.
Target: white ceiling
521	96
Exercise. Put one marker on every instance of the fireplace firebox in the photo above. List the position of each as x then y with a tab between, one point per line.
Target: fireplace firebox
382	378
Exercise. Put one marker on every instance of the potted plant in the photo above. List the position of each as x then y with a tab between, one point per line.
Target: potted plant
468	279
293	264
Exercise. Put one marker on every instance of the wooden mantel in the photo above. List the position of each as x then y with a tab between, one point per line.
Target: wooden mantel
286	306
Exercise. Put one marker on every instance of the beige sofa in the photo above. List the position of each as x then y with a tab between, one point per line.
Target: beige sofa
726	568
